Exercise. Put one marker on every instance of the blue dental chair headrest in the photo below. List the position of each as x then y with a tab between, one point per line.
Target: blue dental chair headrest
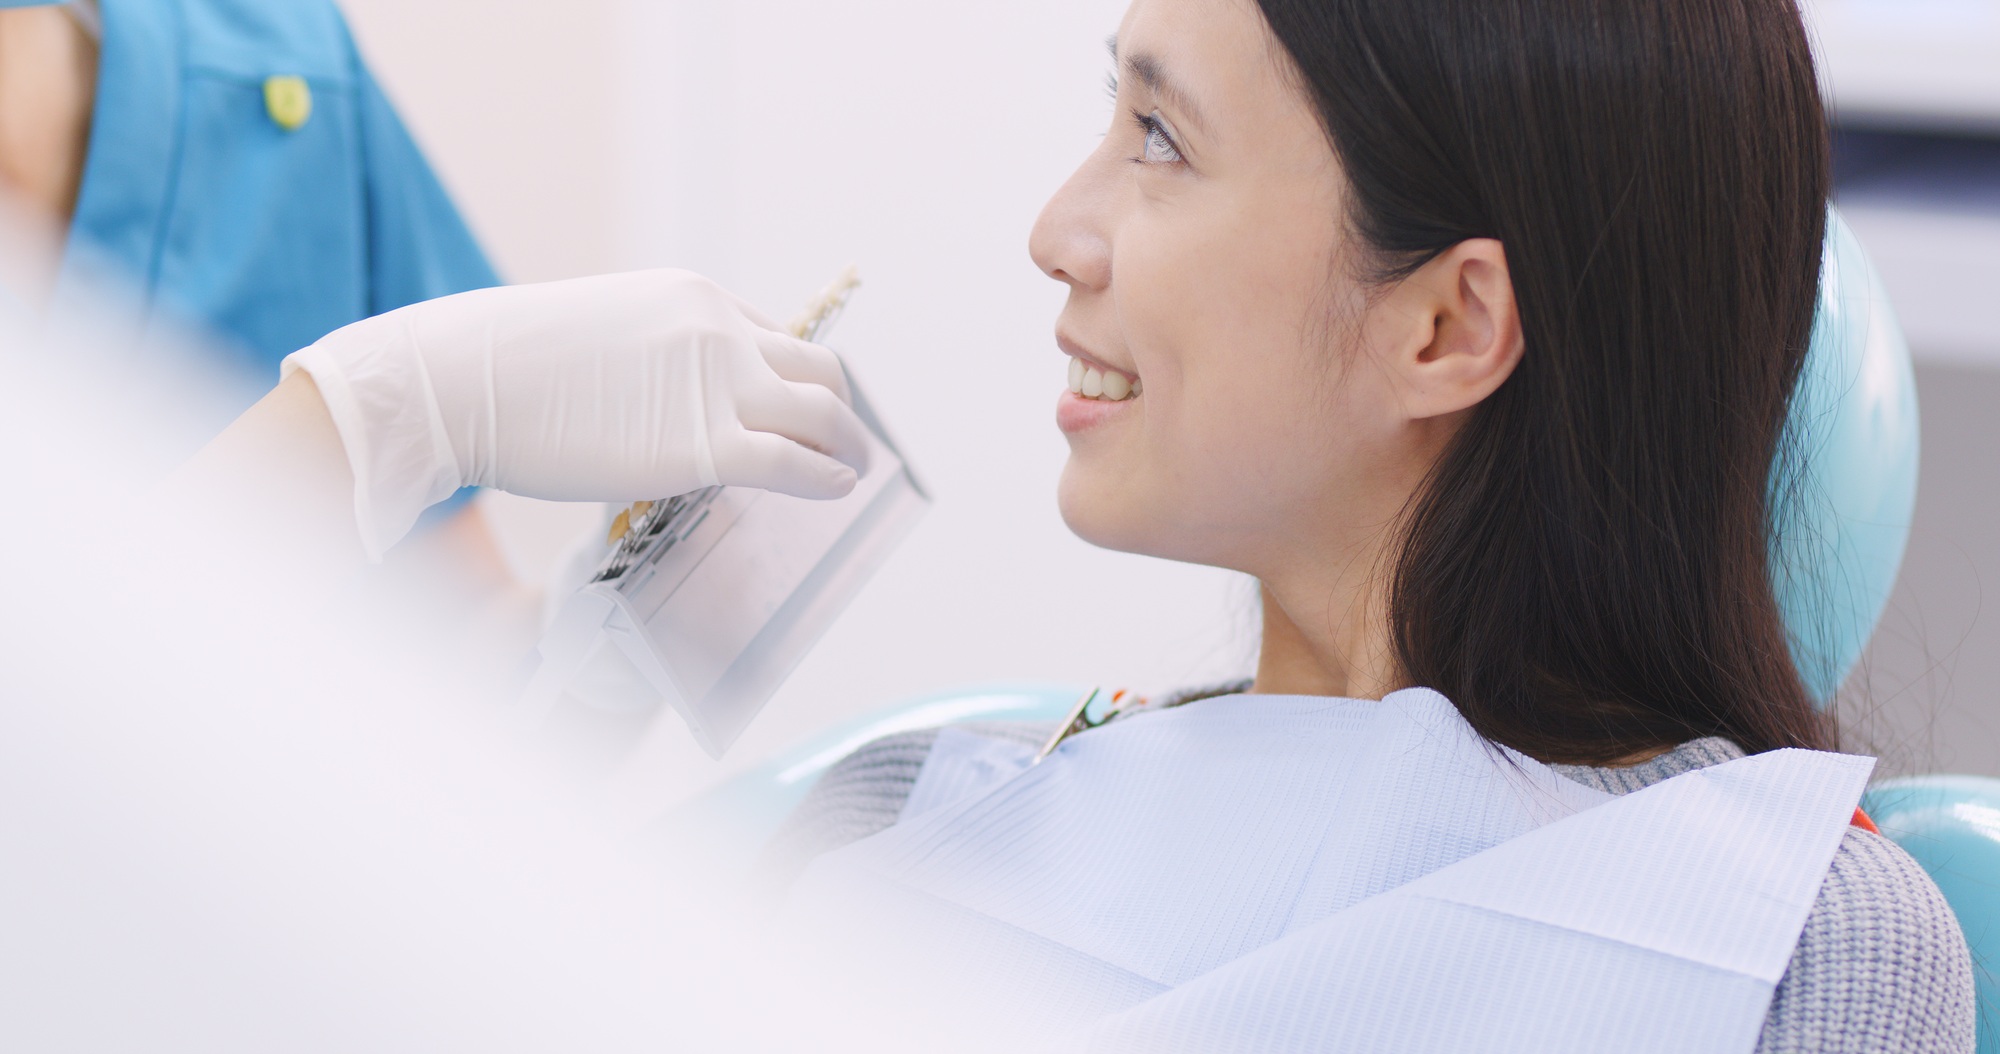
1845	485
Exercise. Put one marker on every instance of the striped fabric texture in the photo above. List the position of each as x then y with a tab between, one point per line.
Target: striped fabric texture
1881	965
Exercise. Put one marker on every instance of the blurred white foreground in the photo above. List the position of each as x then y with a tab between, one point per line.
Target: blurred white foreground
235	822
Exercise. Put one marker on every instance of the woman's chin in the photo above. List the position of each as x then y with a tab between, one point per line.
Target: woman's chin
1109	512
1101	513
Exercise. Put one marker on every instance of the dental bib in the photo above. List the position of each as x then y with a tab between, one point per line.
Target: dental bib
1292	873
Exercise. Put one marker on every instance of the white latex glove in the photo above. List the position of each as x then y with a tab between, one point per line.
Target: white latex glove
624	387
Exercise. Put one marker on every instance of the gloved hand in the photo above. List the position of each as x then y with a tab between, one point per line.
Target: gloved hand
623	387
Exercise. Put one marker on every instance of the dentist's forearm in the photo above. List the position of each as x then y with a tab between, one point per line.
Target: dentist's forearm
279	471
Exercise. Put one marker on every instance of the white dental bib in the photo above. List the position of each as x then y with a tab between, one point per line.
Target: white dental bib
1291	873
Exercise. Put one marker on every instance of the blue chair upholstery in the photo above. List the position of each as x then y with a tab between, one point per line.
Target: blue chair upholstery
1845	489
738	817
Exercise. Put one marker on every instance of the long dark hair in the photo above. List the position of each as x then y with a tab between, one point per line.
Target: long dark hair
1585	573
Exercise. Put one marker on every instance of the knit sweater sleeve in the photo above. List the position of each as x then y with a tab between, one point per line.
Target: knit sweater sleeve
1882	964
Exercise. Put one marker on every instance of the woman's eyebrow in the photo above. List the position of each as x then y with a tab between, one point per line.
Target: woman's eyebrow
1152	73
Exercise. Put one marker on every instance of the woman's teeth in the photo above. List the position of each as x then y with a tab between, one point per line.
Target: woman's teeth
1093	383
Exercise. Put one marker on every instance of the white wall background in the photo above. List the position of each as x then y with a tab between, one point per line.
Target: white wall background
1921	65
521	107
1927	62
768	143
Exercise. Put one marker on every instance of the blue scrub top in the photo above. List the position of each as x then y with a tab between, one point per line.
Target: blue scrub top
247	176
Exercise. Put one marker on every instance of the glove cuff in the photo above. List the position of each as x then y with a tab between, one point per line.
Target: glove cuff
379	395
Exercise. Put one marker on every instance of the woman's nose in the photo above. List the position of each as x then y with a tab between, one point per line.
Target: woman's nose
1070	242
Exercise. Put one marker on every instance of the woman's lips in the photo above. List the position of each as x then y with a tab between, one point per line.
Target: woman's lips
1097	392
1075	413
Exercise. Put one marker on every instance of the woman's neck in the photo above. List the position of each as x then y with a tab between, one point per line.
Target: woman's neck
1350	657
1337	648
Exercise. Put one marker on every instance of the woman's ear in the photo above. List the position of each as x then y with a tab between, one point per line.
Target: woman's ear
1454	330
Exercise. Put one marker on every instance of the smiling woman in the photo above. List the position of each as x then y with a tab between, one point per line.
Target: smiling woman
1469	330
1341	396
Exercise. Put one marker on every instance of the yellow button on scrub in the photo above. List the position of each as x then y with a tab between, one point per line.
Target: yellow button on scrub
289	101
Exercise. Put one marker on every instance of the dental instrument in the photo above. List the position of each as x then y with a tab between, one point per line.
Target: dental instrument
707	601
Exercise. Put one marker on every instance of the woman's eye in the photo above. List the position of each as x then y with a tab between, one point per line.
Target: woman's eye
1159	147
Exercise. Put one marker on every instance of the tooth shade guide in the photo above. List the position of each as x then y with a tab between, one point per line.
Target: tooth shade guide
673	518
825	307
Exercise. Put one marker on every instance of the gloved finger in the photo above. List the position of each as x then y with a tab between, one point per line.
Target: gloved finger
751	312
810	415
805	363
771	462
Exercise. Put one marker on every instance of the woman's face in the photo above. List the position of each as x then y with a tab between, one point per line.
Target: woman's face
1204	248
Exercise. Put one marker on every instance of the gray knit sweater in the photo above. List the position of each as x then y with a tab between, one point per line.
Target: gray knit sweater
1881	965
